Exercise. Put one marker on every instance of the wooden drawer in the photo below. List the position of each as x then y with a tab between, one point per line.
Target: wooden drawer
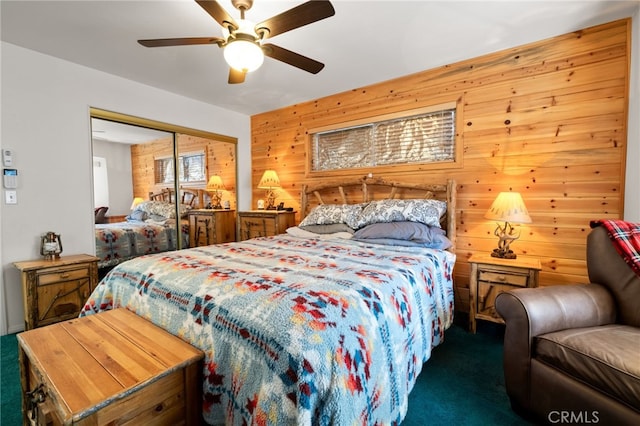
109	368
487	293
520	280
47	276
253	227
59	301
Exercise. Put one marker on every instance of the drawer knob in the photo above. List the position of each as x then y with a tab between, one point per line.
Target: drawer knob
64	275
502	278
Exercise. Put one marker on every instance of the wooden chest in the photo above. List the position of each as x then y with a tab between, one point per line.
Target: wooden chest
109	368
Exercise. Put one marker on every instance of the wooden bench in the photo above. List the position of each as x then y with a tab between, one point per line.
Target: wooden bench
109	368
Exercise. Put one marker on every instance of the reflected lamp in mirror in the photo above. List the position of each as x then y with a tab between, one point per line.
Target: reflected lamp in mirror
508	207
135	202
270	181
214	186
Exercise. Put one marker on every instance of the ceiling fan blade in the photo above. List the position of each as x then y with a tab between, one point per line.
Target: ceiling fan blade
292	58
162	42
299	16
235	76
218	13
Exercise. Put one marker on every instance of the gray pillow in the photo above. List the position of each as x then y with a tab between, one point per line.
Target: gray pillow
327	229
441	244
414	232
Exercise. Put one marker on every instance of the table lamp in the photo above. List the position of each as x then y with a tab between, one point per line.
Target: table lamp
214	186
135	202
269	181
507	207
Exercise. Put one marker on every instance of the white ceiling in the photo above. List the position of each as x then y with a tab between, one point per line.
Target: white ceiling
365	42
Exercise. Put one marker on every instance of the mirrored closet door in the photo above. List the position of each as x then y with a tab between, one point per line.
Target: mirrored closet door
150	179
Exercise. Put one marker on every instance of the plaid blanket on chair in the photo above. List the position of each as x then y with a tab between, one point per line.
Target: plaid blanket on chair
626	239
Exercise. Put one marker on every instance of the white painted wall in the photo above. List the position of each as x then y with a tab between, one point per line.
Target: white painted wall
632	179
100	181
119	176
45	120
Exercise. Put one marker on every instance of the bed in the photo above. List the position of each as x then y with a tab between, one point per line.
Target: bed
320	325
149	228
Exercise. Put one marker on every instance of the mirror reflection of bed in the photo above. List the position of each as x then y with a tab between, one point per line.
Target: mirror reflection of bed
135	168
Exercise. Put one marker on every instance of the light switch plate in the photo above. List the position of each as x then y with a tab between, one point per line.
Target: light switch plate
11	197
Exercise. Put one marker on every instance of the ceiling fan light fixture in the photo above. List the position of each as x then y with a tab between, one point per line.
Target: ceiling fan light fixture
242	43
243	54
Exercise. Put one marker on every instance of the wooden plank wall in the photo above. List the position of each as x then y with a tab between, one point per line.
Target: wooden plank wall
547	119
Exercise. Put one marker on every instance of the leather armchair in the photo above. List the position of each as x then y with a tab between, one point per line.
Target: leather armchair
572	352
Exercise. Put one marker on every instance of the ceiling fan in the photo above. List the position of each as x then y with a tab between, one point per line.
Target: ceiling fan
243	45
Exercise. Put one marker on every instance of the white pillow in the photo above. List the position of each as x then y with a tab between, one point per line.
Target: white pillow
295	231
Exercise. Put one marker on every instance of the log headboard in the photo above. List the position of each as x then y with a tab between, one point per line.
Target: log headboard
368	189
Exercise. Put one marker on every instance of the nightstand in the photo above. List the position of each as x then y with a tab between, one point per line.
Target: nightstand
491	276
264	223
56	290
211	226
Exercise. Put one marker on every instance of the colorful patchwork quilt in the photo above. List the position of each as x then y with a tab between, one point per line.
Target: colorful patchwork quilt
117	242
295	330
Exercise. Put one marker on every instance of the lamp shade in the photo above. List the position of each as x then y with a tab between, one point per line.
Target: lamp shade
508	207
215	184
244	53
136	201
269	180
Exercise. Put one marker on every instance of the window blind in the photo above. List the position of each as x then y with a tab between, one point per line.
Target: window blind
191	168
423	138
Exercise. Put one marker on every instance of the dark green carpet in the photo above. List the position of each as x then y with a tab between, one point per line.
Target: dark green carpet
462	383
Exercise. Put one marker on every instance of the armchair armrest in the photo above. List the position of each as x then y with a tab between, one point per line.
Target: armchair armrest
530	312
547	309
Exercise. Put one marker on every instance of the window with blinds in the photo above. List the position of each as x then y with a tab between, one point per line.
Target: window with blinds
191	168
428	137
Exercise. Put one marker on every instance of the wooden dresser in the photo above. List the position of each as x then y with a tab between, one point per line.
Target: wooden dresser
55	290
211	226
264	223
111	368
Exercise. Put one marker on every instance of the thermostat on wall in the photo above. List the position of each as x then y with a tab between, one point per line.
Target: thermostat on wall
10	178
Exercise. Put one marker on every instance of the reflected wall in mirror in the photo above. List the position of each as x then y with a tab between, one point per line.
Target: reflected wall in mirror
139	167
